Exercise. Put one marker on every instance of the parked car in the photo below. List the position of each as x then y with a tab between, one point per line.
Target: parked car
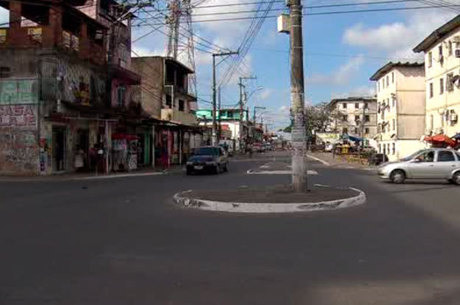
377	159
434	163
207	159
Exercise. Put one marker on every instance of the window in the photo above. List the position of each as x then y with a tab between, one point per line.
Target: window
181	105
450	48
356	130
392	77
458	156
431	90
394	124
426	156
388	81
344	105
356	105
441	85
121	96
449	82
440	51
383	83
430	60
366	130
445	156
380	148
393	148
345	117
378	87
345	130
168	100
393	101
356	118
5	72
366	105
367	118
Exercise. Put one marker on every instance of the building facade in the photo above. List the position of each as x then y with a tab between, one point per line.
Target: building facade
166	99
355	116
400	91
442	78
56	94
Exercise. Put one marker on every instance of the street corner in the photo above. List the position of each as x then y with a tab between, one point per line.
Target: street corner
271	199
276	168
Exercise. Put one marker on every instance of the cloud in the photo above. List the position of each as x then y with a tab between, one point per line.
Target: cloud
342	76
397	39
364	91
144	51
265	94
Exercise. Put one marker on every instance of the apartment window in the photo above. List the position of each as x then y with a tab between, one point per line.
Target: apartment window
344	105
356	105
450	48
345	130
356	118
393	102
366	105
430	59
345	117
367	118
431	90
388	81
356	130
168	100
393	148
378	87
440	51
449	82
181	105
394	124
383	83
392	77
441	85
366	130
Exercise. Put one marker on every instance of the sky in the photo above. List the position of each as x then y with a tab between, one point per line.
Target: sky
341	51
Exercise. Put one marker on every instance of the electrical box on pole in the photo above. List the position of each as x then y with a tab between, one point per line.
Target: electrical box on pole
284	23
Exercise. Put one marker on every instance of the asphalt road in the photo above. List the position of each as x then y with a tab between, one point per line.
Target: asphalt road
123	241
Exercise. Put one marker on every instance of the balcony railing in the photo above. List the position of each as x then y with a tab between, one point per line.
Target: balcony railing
177	116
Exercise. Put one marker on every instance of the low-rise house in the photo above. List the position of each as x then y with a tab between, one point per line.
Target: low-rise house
442	78
167	100
400	91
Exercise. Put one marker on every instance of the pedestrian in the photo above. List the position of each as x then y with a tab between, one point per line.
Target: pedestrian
79	161
164	157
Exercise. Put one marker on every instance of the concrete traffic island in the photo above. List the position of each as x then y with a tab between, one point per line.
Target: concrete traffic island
271	199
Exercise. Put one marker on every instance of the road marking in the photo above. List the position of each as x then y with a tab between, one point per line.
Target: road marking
278	172
319	160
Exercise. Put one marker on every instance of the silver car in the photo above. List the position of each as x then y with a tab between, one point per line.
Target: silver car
434	163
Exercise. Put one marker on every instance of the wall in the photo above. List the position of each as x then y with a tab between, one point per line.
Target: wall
151	90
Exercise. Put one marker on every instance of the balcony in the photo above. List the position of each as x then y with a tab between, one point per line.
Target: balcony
177	116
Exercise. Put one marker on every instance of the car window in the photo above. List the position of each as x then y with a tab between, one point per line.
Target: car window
412	156
445	156
427	156
206	151
458	156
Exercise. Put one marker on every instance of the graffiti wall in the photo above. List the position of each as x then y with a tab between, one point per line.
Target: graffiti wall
18	126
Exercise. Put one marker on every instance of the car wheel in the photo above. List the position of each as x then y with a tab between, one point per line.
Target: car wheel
398	176
216	169
456	178
188	172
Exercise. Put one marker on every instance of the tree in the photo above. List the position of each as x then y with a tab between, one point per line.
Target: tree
318	117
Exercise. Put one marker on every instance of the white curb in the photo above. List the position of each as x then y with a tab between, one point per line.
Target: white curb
119	176
319	160
278	172
245	207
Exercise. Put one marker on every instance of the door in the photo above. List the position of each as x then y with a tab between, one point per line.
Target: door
59	149
422	166
445	164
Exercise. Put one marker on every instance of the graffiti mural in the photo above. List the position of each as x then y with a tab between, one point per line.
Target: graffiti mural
18	151
21	116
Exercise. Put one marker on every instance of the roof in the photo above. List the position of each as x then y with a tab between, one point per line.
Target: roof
167	59
386	68
353	99
438	34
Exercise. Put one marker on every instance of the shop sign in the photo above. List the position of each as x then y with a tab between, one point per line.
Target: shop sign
24	116
18	91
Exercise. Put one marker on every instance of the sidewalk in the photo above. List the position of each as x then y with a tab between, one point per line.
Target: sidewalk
338	161
92	176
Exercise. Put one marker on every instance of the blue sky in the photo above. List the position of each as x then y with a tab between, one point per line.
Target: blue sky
341	52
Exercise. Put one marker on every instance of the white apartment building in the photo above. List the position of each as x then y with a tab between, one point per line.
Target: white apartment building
442	78
347	115
400	91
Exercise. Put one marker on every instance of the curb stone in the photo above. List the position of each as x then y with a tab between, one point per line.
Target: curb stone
245	207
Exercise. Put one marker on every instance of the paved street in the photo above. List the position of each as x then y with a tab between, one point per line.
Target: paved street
122	241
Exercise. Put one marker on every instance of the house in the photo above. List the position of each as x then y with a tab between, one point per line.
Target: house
442	78
166	98
355	116
400	91
56	91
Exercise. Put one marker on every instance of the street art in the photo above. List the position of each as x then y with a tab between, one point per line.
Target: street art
18	91
45	154
81	92
24	116
18	151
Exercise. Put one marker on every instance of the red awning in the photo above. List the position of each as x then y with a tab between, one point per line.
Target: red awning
441	139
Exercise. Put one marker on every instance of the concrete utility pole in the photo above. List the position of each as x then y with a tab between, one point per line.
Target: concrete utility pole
214	106
219	110
242	102
298	134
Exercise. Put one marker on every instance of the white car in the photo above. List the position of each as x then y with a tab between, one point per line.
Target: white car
434	163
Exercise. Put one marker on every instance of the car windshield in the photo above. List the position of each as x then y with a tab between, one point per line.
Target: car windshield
206	151
408	158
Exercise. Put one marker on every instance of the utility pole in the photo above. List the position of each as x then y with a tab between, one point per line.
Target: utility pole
299	155
242	102
214	106
254	119
219	111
